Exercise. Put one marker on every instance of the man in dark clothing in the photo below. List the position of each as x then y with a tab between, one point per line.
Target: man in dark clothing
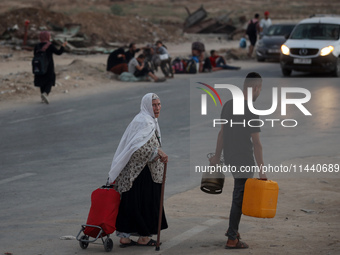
138	68
252	30
116	62
130	53
240	142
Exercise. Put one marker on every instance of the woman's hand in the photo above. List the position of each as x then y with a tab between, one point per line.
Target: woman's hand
163	156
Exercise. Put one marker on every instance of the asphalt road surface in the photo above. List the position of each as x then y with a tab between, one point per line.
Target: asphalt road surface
52	157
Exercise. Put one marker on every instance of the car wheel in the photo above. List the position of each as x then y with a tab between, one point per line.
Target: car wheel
336	72
259	59
286	72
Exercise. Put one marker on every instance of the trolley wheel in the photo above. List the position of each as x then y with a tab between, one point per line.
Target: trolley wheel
108	244
83	244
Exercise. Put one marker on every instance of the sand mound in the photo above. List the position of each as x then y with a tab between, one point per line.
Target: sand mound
97	28
39	19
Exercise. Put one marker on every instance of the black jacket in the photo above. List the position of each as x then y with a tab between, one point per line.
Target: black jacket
49	77
114	60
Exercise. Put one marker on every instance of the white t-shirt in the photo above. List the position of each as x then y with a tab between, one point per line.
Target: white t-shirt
264	24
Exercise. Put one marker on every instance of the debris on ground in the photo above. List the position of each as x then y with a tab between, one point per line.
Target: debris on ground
197	22
86	32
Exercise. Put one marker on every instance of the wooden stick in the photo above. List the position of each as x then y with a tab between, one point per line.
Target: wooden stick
161	209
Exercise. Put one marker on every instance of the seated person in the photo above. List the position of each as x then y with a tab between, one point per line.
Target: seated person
203	64
138	69
218	62
197	51
130	53
165	59
151	57
116	62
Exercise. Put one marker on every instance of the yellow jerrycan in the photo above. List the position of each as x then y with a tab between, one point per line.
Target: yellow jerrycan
260	198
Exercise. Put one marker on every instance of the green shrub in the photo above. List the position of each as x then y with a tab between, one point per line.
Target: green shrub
117	10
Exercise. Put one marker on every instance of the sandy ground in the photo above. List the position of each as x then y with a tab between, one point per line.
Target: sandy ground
77	74
308	212
307	219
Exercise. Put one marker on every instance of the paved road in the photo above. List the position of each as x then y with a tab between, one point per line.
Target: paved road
53	157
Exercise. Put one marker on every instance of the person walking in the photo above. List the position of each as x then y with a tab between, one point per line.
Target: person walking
252	31
137	174
47	80
265	23
240	143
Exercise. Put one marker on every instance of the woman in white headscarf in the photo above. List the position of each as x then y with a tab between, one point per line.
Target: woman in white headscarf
137	172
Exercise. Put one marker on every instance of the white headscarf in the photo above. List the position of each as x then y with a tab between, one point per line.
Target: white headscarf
139	131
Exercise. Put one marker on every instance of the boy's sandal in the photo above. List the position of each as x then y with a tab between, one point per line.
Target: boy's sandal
124	245
238	236
239	245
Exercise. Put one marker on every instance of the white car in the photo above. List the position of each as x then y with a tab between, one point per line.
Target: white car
313	46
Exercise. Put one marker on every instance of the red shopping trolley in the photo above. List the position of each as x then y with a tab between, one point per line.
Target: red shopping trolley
101	221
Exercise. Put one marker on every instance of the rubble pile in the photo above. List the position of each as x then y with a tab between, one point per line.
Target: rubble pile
12	22
199	22
84	29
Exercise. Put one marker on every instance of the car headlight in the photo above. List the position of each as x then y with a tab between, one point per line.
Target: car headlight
260	44
284	50
326	51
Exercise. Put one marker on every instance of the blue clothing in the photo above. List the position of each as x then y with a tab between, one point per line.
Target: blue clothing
196	59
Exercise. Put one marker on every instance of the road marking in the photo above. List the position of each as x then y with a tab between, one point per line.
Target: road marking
188	234
42	116
15	178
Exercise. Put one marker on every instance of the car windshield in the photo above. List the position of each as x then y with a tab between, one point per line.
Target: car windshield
316	32
280	30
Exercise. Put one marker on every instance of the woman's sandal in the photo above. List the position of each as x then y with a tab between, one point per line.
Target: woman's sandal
239	245
150	243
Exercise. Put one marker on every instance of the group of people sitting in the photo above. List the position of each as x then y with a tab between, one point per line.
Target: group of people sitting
208	64
144	66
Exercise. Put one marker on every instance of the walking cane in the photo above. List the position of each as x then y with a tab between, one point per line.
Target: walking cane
161	209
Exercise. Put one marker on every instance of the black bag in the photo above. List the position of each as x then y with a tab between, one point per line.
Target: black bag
178	65
40	63
191	66
251	29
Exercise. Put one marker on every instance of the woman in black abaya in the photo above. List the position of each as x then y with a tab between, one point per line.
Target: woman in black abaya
137	170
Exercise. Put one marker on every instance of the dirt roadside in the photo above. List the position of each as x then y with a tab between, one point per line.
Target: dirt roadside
76	74
307	219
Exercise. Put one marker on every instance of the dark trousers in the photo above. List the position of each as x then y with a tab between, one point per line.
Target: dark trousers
166	67
45	88
141	73
221	63
145	71
236	208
